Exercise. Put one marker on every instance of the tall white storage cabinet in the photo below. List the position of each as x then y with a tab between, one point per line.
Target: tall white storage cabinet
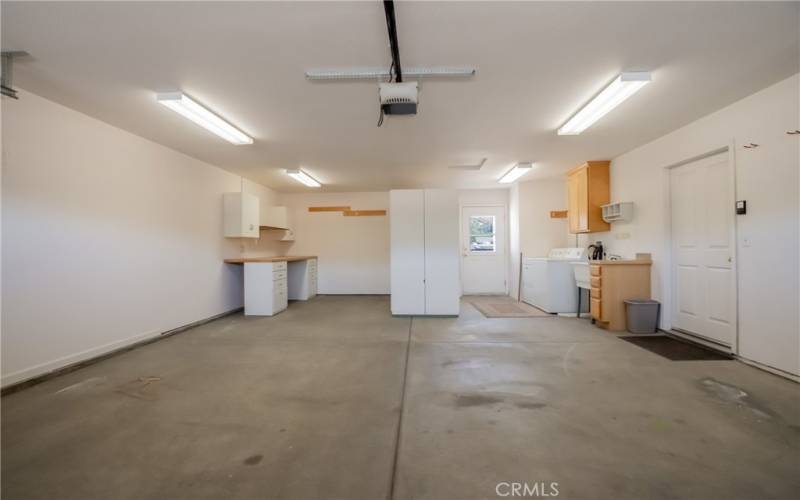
424	244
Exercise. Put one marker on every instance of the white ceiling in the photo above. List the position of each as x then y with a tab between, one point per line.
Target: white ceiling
537	64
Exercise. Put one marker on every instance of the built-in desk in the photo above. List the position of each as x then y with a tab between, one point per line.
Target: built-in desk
270	282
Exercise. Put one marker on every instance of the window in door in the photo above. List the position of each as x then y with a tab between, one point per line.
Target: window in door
482	234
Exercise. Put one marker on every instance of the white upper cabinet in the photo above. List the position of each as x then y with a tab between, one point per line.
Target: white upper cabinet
275	218
241	215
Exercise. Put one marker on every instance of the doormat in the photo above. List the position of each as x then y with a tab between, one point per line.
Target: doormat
497	307
676	350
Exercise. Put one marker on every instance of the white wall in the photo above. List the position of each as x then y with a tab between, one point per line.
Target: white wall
768	177
107	238
353	251
538	232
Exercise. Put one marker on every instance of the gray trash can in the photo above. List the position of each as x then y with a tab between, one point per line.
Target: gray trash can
642	315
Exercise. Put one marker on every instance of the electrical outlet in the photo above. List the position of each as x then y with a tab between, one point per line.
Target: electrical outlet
622	236
746	243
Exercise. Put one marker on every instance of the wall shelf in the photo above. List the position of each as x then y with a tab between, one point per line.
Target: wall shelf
618	212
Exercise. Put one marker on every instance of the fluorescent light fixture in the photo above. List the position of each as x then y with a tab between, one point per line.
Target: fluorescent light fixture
383	73
303	177
186	107
516	172
623	86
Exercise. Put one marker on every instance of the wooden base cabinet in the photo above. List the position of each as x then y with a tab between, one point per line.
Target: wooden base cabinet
613	282
588	189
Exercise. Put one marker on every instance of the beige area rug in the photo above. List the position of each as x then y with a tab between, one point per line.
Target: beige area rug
506	307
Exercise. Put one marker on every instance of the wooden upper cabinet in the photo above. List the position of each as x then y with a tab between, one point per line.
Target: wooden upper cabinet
588	190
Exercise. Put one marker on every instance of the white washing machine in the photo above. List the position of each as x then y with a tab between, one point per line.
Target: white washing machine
549	282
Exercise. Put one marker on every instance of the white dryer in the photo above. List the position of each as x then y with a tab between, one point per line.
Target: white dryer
549	282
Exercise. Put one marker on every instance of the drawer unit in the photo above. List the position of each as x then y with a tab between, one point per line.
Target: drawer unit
265	291
612	283
281	299
595	308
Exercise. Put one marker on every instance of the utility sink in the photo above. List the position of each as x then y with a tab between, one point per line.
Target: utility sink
581	270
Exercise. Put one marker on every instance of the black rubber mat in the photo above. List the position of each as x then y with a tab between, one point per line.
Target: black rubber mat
676	350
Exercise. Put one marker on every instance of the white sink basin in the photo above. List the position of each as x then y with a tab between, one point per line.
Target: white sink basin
581	270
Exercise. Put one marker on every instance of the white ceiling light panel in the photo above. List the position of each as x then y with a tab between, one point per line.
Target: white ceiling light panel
188	108
516	172
623	86
303	177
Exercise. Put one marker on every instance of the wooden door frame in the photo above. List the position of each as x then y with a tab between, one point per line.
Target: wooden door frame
506	239
669	277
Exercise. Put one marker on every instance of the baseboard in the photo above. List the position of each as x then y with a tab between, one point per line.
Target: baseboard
767	368
720	348
28	377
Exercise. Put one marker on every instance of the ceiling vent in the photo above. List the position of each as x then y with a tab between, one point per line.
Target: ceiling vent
476	166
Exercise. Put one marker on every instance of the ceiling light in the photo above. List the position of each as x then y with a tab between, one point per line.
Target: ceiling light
303	177
186	107
383	73
516	172
623	86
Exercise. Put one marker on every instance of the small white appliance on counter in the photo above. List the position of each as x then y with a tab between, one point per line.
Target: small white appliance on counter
549	282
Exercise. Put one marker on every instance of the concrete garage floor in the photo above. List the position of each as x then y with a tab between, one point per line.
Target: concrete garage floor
306	405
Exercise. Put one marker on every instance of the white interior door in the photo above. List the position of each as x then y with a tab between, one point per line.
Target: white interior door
703	276
483	250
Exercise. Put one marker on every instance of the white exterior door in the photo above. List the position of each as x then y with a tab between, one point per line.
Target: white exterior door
703	275
483	250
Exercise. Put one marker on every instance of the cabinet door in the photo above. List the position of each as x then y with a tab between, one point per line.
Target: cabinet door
442	254
240	215
250	216
407	250
582	181
572	196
